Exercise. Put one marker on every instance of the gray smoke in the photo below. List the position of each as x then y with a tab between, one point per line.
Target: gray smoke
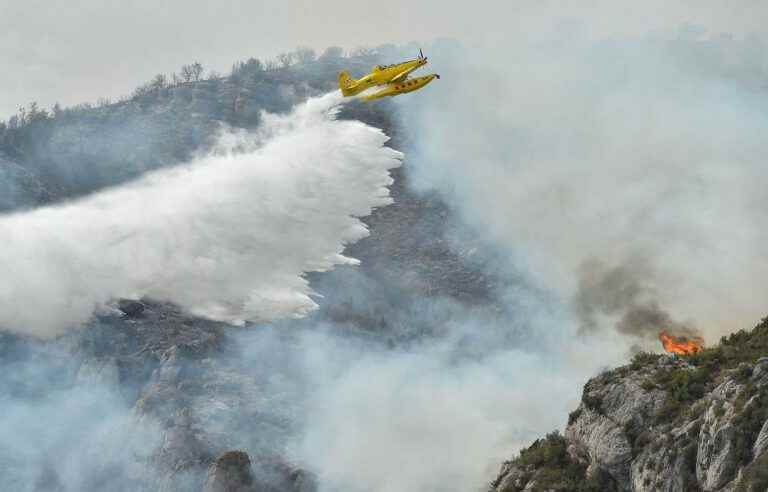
440	413
629	146
623	177
66	425
624	295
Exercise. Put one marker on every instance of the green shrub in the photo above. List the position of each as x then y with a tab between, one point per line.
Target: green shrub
592	402
669	411
555	470
549	451
719	409
683	387
746	393
642	359
755	476
748	424
648	385
574	416
637	436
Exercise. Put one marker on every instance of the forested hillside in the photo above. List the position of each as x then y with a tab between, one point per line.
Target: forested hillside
50	154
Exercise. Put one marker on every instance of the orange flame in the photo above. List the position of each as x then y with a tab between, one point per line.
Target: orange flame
680	345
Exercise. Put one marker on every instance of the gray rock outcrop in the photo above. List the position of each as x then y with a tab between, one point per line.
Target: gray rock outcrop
230	472
660	424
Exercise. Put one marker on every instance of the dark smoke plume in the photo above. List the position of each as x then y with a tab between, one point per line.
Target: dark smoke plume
625	295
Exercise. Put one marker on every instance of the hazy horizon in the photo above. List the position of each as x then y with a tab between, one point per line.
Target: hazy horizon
54	52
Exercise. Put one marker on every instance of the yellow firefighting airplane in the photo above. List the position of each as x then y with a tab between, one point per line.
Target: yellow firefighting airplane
394	77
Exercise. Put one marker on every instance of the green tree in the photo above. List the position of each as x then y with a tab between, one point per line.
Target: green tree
304	55
285	60
192	72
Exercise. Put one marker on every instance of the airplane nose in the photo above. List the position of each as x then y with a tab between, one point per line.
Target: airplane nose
437	76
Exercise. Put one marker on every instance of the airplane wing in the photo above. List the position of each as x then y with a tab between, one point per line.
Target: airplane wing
401	76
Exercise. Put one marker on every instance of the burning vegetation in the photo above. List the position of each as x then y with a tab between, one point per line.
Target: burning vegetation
681	345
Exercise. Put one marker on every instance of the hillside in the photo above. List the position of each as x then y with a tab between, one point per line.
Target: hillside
179	394
66	152
663	422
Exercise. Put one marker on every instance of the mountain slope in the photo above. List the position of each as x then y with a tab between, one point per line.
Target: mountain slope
202	388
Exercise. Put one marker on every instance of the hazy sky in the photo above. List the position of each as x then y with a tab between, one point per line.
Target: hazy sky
81	50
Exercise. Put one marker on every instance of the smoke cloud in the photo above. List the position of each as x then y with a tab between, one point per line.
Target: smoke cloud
227	237
579	149
626	294
440	413
419	421
623	175
66	426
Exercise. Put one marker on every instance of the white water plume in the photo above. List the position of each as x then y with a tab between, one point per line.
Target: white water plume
228	236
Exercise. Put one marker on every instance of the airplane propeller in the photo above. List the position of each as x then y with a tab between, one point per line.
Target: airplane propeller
421	55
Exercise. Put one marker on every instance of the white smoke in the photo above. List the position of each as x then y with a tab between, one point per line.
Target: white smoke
629	150
228	236
443	414
641	155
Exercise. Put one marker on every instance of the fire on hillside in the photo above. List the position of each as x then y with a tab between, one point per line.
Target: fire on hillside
681	345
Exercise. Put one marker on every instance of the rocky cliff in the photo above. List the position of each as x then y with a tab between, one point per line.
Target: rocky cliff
661	423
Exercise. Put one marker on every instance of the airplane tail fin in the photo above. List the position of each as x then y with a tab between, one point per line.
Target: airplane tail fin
344	83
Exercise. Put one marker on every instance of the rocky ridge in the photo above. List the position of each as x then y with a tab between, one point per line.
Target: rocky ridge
661	423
